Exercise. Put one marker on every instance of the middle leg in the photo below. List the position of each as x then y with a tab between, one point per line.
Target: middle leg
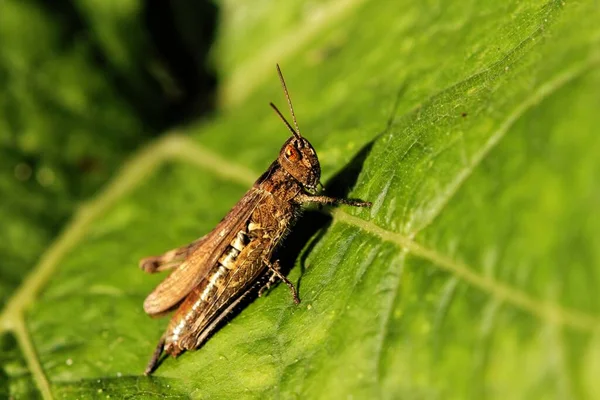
276	270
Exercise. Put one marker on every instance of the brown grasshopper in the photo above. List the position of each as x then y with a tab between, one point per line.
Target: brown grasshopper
216	272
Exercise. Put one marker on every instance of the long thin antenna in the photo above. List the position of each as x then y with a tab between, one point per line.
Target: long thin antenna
285	121
287	96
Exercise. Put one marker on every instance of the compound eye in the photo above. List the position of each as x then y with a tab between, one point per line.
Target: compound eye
291	153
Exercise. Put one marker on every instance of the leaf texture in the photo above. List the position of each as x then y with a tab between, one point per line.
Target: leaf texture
471	126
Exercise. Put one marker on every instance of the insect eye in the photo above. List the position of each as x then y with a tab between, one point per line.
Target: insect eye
291	153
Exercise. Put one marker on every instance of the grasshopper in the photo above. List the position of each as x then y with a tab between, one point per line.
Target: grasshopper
213	274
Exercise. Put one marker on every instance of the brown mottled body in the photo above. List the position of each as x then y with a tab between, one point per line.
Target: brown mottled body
213	274
235	273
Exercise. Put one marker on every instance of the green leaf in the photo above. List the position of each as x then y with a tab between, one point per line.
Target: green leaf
472	127
64	130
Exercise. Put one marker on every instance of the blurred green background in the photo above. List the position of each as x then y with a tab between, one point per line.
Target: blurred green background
84	84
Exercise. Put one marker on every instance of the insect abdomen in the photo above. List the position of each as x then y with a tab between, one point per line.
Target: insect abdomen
205	294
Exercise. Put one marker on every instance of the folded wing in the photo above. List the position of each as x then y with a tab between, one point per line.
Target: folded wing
198	264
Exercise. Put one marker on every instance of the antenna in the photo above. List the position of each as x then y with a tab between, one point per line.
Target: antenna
287	96
285	121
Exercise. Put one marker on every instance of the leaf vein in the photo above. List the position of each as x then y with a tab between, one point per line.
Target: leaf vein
543	92
30	355
386	321
541	309
176	147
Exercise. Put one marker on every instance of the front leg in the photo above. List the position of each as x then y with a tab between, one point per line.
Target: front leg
275	269
306	198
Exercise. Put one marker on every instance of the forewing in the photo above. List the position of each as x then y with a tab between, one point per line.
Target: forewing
195	268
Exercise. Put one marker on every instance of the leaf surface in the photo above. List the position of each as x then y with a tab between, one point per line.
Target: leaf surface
472	127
